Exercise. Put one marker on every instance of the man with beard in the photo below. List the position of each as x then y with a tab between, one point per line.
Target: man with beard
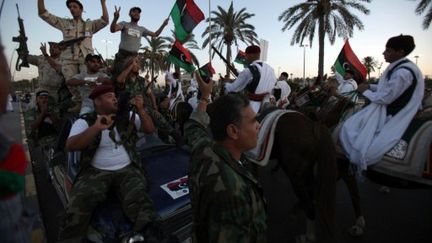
131	34
42	121
129	84
87	80
79	34
110	162
49	66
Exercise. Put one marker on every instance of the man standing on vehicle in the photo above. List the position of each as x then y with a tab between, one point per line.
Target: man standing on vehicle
227	200
131	34
109	161
73	29
258	79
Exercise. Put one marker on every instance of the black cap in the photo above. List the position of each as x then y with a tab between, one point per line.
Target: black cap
135	8
402	42
74	1
92	56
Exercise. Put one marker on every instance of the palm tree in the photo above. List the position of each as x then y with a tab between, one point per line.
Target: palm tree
229	27
154	54
370	64
421	7
331	17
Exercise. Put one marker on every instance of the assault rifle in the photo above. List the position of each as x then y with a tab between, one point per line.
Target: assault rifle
230	67
65	44
22	48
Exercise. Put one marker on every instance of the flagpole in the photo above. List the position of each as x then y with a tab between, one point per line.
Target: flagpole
210	37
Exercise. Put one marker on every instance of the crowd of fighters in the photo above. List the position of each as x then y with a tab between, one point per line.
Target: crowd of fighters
114	103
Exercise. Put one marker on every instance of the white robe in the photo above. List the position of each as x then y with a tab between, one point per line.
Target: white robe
367	135
265	85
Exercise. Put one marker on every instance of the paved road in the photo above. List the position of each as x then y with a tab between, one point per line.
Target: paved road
399	217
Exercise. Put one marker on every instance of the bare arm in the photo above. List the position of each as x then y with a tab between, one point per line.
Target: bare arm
105	16
147	125
114	26
41	7
157	33
83	140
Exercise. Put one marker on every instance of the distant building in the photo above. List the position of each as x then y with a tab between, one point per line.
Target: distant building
264	49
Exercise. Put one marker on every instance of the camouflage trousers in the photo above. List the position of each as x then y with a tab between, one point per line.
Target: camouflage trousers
91	188
164	127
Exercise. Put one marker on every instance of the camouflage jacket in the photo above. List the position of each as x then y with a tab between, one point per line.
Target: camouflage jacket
46	133
227	201
128	138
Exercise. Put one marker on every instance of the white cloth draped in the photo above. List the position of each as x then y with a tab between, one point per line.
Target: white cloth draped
367	135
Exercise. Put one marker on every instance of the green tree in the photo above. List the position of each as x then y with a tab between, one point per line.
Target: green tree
154	55
228	28
370	64
331	17
421	7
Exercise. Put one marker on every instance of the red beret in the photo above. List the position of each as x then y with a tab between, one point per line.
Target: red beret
100	90
253	50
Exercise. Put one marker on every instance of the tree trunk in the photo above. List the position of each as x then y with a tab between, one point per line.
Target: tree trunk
321	35
228	58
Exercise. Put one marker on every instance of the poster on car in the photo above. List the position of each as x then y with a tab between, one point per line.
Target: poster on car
176	188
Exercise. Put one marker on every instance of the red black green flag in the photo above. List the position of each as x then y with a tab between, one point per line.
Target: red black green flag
207	70
240	58
348	60
185	15
181	57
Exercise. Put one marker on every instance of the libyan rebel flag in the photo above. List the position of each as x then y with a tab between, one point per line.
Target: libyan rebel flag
240	58
185	15
181	57
348	60
207	70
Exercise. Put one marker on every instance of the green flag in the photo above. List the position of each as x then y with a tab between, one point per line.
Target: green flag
185	15
181	57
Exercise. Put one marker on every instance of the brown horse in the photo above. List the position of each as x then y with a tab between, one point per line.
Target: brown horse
330	114
300	146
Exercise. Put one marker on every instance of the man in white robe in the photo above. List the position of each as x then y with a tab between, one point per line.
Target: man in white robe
258	79
370	133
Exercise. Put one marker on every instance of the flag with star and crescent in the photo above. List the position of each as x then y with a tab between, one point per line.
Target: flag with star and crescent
181	57
347	59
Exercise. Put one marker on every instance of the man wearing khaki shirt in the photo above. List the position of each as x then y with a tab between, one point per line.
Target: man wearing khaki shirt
73	28
49	66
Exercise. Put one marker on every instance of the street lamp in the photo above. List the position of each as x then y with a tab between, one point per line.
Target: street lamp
304	62
106	47
416	57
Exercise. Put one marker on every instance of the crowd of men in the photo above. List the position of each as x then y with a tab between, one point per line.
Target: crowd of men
113	104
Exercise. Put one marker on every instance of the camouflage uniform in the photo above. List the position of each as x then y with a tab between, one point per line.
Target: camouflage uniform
137	86
92	185
49	79
73	57
227	201
46	133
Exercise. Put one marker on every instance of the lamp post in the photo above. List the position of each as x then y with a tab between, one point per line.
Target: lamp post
304	62
416	57
106	47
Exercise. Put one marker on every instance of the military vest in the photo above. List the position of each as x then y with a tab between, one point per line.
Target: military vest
405	97
128	138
